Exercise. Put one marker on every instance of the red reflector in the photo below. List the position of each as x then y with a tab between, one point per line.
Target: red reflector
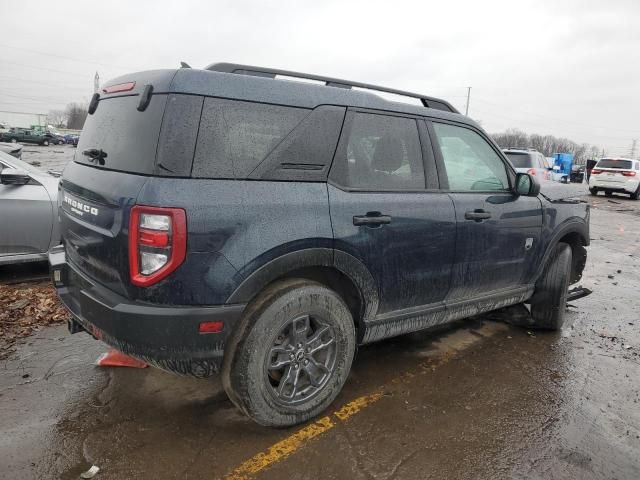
121	87
210	327
629	174
152	238
532	171
595	172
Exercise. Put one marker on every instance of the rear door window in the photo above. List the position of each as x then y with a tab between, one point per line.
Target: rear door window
128	137
235	136
383	152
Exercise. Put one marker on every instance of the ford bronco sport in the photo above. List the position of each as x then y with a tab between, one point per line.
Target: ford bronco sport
229	220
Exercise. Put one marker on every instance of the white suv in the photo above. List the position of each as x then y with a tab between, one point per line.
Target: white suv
616	175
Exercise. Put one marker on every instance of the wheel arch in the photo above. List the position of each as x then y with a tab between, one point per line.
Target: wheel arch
575	234
337	270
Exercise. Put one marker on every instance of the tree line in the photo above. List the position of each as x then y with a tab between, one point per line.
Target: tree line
72	117
547	145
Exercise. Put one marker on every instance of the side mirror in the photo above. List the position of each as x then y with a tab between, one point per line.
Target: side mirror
13	176
527	185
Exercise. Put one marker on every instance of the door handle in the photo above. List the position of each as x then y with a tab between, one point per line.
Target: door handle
477	215
371	219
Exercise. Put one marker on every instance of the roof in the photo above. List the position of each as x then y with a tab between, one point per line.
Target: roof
266	89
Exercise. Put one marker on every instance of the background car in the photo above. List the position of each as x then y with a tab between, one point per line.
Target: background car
24	135
529	161
621	175
71	139
28	203
14	149
54	138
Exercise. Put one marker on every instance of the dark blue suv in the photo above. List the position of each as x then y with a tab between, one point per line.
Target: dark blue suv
234	220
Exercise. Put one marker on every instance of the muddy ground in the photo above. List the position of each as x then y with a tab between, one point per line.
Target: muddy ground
479	399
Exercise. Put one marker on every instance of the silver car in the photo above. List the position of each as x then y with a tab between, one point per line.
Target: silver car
28	211
529	161
13	149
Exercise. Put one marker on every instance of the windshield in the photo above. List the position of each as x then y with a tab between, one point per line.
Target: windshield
520	160
612	163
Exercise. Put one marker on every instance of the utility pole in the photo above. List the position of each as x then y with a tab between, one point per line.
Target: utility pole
468	97
632	151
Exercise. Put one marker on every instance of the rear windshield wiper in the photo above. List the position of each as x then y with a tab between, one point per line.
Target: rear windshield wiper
95	155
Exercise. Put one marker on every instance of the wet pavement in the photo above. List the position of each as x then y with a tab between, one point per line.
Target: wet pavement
479	399
51	157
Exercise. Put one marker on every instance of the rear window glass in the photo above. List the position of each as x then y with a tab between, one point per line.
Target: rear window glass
520	160
612	163
235	136
128	137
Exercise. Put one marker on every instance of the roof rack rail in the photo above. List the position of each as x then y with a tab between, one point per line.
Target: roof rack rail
429	102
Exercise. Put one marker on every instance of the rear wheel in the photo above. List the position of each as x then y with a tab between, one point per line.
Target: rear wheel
608	193
291	355
635	195
549	301
593	191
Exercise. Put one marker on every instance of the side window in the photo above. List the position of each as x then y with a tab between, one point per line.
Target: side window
382	153
471	163
235	136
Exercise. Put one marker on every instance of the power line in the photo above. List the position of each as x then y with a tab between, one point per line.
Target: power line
66	72
48	83
31	98
48	54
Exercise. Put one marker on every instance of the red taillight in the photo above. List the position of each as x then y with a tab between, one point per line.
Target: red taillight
120	87
157	243
629	174
532	171
595	171
210	327
152	238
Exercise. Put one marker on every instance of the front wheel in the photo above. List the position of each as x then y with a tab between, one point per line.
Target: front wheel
14	140
291	354
635	195
549	300
45	143
593	191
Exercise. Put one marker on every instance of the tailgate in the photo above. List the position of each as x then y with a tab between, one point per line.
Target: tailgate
94	208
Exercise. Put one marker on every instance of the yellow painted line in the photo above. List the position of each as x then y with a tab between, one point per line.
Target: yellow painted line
292	443
356	405
279	451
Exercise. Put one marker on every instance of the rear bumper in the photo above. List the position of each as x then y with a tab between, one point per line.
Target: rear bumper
166	337
628	186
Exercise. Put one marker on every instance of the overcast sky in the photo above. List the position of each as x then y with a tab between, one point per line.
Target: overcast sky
568	68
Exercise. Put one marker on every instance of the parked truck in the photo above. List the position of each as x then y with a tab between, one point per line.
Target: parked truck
562	167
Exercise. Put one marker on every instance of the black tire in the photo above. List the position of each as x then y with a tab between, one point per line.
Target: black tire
549	300
593	191
607	193
14	140
45	143
635	195
264	339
